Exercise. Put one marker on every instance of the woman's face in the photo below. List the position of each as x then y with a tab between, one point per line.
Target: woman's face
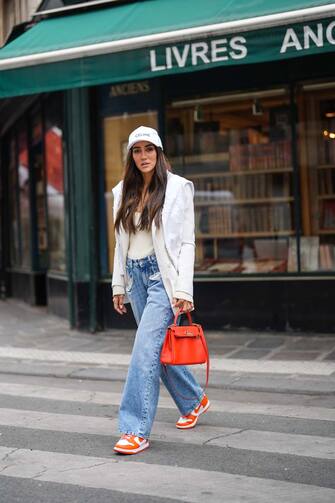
145	157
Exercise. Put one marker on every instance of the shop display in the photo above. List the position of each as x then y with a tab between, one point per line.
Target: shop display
241	166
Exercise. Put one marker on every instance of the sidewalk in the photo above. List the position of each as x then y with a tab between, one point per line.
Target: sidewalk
33	342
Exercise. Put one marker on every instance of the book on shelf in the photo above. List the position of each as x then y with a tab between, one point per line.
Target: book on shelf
327	257
328	215
230	219
201	220
326	181
197	219
262	156
258	186
275	249
309	253
292	259
287	185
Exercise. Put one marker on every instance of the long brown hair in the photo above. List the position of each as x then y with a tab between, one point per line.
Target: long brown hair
133	184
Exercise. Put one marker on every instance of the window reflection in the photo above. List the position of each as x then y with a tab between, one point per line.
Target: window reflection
55	183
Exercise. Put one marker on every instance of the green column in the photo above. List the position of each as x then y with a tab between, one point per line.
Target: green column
82	259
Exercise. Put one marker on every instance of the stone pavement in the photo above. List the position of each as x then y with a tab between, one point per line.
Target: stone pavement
31	327
34	342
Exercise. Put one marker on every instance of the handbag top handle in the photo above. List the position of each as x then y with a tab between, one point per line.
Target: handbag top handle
179	313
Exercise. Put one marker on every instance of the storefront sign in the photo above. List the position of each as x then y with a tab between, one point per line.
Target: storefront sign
200	52
118	68
128	97
318	36
249	47
129	88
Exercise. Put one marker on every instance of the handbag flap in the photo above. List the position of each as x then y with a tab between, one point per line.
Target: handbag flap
185	331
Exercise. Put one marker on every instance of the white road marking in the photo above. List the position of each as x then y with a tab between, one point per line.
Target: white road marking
154	480
279	443
263	441
219	364
71	423
104	398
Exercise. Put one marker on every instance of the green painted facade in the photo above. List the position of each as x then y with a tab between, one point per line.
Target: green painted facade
145	59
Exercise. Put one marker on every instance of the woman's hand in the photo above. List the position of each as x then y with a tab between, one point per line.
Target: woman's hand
118	301
183	305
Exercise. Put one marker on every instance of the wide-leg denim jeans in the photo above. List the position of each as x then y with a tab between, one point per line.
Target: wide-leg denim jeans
153	314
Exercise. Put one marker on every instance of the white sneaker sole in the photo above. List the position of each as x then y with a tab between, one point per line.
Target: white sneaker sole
189	426
133	451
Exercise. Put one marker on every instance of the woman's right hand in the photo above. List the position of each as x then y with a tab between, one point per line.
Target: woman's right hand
118	301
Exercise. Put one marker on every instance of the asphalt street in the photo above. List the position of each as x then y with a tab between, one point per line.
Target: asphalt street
269	435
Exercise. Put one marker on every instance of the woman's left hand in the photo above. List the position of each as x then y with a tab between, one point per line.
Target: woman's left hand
183	305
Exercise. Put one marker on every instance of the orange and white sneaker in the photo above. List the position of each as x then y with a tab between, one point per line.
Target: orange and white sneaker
131	444
189	421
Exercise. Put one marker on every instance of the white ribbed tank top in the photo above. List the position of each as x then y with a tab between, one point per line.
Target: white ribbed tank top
140	243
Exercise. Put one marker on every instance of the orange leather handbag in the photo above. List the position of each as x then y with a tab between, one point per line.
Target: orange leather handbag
185	345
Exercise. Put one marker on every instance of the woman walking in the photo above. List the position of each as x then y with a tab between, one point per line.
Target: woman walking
153	270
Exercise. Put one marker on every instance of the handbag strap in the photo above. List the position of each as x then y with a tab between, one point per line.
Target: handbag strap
204	342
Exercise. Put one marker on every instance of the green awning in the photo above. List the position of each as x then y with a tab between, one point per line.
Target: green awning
149	38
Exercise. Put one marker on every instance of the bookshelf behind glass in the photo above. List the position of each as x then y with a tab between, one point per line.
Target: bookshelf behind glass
240	162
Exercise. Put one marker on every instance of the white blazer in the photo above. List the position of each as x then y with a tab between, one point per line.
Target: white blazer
174	242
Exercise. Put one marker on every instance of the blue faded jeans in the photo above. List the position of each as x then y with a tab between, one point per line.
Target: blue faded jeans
153	313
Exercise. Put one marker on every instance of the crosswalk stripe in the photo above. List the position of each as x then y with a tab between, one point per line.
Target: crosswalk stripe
325	368
116	474
112	398
262	441
279	443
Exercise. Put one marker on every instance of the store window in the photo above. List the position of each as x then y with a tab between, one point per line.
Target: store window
35	182
55	182
237	151
317	166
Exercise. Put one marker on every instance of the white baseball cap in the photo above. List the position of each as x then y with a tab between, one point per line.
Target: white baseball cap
144	133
